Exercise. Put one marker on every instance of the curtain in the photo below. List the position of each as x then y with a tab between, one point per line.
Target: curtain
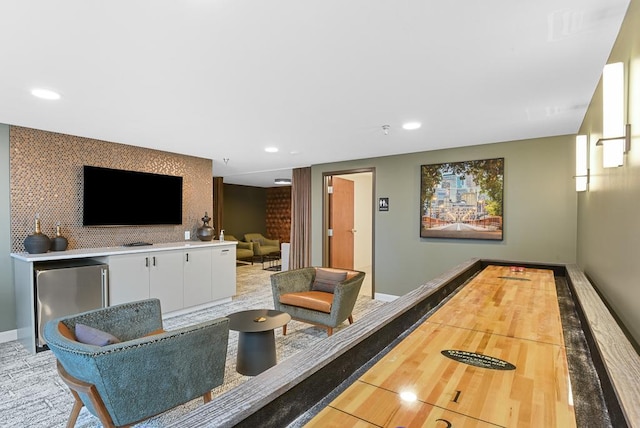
300	252
218	204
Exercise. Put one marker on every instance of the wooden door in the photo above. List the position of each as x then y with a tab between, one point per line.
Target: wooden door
341	217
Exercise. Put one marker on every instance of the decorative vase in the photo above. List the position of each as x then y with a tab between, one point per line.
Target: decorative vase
59	242
205	232
38	242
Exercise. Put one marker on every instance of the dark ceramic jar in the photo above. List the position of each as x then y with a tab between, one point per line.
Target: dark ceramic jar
205	232
59	242
38	242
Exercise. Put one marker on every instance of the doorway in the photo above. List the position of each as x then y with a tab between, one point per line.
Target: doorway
348	223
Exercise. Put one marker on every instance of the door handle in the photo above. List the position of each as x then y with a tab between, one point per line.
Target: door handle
105	287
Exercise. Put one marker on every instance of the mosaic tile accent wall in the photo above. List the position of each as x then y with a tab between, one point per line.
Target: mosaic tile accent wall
46	178
278	216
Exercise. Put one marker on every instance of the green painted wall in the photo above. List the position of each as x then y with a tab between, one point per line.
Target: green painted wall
539	211
608	229
7	298
245	210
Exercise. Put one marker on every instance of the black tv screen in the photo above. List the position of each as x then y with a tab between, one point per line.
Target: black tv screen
114	197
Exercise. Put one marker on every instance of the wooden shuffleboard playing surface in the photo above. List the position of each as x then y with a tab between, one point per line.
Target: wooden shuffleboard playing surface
492	356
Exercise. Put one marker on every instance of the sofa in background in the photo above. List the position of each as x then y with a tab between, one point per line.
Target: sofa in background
262	246
134	369
244	250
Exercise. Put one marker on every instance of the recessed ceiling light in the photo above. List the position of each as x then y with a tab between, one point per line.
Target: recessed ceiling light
271	149
45	94
410	126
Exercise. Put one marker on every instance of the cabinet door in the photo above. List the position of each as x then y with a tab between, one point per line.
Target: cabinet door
166	279
197	276
128	278
224	272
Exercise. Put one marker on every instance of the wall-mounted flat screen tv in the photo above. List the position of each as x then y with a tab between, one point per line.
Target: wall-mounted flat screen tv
114	197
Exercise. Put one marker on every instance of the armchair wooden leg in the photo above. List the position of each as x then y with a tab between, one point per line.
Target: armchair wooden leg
350	319
207	396
75	411
329	331
76	385
284	330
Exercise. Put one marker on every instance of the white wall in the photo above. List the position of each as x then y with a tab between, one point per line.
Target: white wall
7	307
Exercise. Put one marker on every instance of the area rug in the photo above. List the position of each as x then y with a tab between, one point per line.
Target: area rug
32	395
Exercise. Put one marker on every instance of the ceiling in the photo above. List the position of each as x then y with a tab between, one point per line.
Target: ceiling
224	79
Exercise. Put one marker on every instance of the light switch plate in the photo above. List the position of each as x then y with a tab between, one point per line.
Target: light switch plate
187	235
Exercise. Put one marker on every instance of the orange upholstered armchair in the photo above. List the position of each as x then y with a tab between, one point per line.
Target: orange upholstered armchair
321	296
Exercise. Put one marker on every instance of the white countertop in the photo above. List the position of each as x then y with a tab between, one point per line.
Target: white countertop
110	251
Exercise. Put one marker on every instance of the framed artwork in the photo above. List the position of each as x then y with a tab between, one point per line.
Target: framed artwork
462	200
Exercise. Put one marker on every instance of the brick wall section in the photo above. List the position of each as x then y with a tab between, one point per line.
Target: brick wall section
278	216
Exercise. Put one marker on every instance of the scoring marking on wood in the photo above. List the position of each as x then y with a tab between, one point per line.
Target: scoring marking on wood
477	360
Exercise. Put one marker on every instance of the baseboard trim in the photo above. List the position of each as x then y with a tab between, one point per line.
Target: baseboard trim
385	297
8	336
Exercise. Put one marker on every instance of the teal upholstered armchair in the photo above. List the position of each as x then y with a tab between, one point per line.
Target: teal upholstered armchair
321	296
148	372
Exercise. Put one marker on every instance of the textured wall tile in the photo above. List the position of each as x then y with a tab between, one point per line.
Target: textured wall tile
46	178
278	216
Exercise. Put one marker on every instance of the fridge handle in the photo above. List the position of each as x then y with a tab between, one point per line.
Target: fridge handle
105	287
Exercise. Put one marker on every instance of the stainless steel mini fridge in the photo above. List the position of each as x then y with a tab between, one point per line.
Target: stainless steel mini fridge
66	288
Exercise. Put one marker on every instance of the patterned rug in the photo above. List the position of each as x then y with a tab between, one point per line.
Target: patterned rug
32	395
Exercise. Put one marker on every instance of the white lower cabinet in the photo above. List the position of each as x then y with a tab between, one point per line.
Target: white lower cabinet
141	276
197	276
128	278
179	278
224	272
166	279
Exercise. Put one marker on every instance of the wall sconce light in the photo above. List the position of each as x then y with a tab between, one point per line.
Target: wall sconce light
582	163
616	136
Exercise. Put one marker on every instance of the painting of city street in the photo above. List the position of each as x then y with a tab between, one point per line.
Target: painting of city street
462	199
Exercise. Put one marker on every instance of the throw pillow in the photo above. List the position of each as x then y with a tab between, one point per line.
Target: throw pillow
326	280
93	336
